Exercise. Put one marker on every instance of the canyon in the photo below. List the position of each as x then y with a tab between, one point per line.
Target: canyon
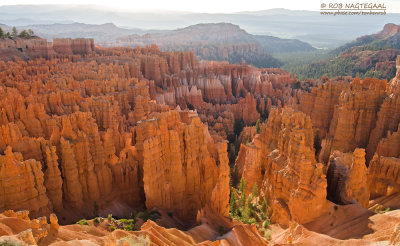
103	133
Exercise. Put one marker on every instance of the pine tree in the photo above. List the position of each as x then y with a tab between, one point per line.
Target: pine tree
23	34
255	190
264	206
258	128
1	33
242	199
248	202
232	152
31	33
14	32
242	186
232	203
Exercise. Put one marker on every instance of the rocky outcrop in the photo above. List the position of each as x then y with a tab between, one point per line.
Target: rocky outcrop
39	47
179	171
25	48
70	46
281	161
354	117
385	166
383	176
18	228
320	105
387	121
347	178
394	85
348	116
22	185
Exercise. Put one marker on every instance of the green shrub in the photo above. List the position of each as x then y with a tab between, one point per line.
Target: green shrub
129	224
96	220
130	227
266	223
109	217
250	209
255	190
112	228
258	127
82	222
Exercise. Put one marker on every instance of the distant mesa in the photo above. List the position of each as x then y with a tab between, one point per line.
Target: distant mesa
220	41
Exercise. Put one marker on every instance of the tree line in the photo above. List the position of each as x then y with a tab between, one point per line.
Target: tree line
14	33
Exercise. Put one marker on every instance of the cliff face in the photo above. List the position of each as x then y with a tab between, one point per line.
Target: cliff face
38	47
362	114
357	115
22	185
384	166
281	161
347	178
70	46
320	104
354	117
179	172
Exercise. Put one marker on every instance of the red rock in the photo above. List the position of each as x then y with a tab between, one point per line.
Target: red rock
281	161
177	165
22	185
347	178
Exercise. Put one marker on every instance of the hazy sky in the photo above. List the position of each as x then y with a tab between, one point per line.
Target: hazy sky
210	6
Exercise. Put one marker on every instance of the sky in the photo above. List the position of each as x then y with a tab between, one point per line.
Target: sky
207	6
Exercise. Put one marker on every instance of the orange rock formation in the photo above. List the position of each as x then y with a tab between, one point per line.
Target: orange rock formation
281	161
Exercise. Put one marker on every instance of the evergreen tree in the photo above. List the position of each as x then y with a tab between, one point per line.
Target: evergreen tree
255	190
31	33
242	199
258	128
242	186
264	206
248	202
232	203
23	34
14	32
1	33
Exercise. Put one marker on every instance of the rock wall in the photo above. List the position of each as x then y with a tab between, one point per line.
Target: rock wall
385	166
362	114
38	47
179	172
347	178
281	161
354	117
